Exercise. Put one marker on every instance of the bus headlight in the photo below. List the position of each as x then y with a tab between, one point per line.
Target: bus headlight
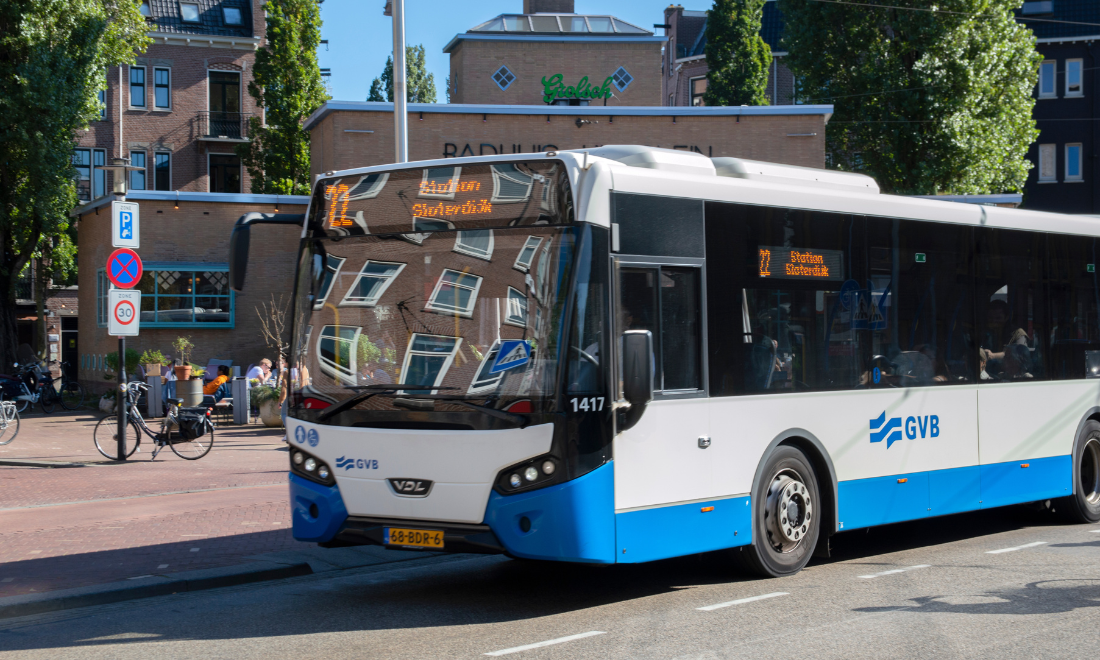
323	472
299	457
548	467
530	474
311	465
515	481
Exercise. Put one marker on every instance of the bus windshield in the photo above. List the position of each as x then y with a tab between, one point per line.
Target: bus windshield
457	307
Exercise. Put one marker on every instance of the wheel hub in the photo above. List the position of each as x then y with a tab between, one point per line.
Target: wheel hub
788	511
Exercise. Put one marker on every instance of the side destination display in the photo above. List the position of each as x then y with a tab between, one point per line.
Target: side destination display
799	264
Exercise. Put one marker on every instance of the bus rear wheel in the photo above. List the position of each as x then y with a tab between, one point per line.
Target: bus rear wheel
1084	505
786	509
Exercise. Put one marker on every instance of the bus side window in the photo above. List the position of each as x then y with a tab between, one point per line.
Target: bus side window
666	301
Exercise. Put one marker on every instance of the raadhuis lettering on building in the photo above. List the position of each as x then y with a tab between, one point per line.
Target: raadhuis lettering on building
450	149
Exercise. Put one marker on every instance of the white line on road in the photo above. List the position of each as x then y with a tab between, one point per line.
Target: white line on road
1095	531
1019	547
741	601
896	570
539	645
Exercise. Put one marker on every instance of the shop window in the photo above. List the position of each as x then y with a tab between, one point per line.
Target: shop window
162	170
455	293
622	79
527	254
373	280
1048	168
504	77
332	267
1073	78
1073	162
476	243
137	177
186	295
137	87
698	88
162	89
1047	75
427	360
517	308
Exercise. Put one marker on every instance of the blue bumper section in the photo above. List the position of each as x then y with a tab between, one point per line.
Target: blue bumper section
683	529
573	521
317	511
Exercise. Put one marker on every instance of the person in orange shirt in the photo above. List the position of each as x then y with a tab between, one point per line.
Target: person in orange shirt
212	388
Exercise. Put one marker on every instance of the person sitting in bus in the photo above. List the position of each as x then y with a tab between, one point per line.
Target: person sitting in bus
1014	358
218	388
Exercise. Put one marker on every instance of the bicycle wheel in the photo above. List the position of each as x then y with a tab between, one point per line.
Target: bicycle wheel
21	405
192	449
9	423
46	399
106	437
72	395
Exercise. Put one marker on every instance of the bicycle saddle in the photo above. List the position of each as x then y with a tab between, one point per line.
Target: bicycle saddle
175	402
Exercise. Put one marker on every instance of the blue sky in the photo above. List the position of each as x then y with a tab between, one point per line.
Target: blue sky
361	38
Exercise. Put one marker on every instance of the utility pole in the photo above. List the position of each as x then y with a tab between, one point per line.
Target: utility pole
396	8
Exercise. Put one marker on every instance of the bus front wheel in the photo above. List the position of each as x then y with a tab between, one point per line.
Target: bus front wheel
786	508
1084	505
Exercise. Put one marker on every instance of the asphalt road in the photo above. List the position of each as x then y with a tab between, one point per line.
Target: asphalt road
992	584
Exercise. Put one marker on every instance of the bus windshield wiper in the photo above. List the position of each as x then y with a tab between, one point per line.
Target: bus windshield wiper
514	418
367	392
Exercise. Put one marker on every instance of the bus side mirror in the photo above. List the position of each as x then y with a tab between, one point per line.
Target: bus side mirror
638	375
238	254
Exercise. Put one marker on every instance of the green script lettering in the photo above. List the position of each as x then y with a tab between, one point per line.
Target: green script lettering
553	88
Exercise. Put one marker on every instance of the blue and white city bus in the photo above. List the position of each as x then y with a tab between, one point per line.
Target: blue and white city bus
626	353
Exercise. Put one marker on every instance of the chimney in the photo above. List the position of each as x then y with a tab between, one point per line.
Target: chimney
548	7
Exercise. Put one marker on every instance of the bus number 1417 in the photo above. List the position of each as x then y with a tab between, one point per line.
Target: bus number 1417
587	404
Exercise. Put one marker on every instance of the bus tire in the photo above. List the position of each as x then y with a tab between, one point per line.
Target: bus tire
1084	505
786	509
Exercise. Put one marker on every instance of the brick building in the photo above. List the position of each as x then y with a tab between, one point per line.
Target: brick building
584	59
684	63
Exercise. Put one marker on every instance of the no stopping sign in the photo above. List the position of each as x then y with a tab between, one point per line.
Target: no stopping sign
124	309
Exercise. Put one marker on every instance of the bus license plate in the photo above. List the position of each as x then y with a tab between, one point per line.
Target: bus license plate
412	538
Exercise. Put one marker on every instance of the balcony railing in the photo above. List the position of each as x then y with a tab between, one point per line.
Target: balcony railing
214	125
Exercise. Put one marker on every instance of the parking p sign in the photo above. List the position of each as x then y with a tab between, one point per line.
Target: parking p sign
125	225
123	311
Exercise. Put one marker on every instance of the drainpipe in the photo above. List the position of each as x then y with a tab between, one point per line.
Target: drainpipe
400	98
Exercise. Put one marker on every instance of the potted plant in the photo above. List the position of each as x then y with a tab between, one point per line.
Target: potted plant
197	372
152	360
132	361
183	347
266	398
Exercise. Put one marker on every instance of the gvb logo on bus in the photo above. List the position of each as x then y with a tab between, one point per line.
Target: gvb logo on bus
891	429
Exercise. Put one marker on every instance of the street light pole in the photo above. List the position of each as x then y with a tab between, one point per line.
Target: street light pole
400	111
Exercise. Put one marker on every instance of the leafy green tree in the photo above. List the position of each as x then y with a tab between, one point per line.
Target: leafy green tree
925	102
419	84
738	58
286	82
52	57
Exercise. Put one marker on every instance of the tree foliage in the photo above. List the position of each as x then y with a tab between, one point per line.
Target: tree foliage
53	55
925	102
419	83
286	83
738	58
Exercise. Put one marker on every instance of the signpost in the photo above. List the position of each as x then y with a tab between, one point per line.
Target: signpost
125	228
123	306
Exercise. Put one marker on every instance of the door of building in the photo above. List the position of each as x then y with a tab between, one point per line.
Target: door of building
70	348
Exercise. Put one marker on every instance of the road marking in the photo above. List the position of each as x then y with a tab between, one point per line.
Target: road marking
139	577
539	645
740	601
896	570
1095	531
7	580
163	566
1019	547
194	549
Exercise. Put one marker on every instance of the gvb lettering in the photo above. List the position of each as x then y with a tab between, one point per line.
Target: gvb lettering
891	429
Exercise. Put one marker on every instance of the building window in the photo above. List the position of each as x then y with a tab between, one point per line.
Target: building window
455	293
332	267
102	95
504	78
424	225
99	175
184	294
427	360
1073	163
137	87
622	79
698	88
102	286
671	100
137	177
527	254
671	57
162	170
232	15
144	9
90	178
439	182
368	187
1047	75
1074	85
189	13
372	282
483	380
225	173
517	308
510	185
476	243
337	350
1048	170
162	89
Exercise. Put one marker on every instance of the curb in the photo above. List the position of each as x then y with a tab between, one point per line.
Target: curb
147	587
19	462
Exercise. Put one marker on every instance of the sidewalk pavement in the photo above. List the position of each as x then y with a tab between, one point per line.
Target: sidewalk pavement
97	531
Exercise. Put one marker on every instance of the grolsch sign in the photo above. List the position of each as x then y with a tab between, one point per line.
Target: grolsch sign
553	88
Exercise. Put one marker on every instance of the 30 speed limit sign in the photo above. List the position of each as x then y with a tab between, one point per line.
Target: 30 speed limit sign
123	311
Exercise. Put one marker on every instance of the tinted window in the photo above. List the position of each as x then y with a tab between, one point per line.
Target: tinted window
1074	305
1010	306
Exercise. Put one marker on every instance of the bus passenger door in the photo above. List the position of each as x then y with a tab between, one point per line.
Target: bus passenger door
659	460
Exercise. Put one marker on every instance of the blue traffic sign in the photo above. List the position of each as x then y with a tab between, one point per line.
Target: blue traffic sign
124	268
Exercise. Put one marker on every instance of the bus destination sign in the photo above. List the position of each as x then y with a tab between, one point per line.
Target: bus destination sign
801	264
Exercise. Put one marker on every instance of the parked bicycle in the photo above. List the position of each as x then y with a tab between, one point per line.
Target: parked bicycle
188	432
9	421
33	383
